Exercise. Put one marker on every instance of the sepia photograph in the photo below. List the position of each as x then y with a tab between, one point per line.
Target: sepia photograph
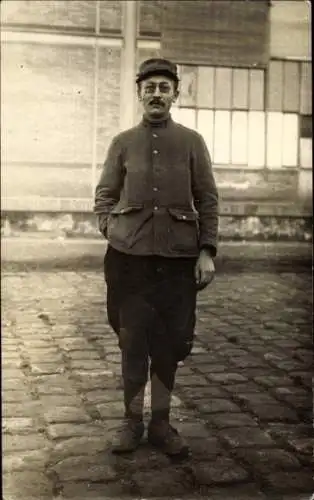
156	250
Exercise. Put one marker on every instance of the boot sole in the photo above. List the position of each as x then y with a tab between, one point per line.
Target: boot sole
182	453
120	451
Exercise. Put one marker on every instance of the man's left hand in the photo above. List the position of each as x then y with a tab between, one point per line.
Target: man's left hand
204	269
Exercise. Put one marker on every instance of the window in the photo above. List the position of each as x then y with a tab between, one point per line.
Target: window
220	103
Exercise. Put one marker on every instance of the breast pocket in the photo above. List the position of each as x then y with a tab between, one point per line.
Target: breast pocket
183	231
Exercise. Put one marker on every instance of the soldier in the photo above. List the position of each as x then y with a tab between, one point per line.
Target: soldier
157	204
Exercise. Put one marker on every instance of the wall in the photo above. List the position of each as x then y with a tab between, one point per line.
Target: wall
67	70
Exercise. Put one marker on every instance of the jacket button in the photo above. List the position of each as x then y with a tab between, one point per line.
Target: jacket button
155	135
155	208
155	152
155	189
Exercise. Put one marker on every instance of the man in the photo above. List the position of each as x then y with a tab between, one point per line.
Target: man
156	203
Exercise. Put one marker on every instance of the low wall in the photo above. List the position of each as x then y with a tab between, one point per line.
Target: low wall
232	227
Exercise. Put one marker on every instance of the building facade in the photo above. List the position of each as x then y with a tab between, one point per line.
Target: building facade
68	86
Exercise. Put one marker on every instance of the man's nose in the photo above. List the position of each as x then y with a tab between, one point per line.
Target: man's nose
157	92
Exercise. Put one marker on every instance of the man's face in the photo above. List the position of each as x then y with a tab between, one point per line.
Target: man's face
157	93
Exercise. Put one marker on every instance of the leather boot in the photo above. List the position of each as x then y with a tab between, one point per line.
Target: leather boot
162	435
128	437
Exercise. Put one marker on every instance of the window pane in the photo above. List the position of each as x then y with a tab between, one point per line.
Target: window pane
184	116
240	93
306	89
110	15
239	138
188	76
51	13
175	114
306	126
222	141
275	86
205	87
256	99
291	86
274	139
306	153
205	126
223	88
108	105
47	107
256	139
290	140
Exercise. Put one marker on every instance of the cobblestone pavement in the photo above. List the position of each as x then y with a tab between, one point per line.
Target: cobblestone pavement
243	399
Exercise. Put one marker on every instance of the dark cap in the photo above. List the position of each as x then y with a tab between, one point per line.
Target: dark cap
157	67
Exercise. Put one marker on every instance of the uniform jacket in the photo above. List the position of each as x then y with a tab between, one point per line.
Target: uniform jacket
157	194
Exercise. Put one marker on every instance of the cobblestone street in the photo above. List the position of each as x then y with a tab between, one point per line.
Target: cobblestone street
243	399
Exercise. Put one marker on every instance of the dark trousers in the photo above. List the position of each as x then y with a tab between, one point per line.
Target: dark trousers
151	304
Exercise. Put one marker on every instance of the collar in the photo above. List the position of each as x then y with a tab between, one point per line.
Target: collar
160	124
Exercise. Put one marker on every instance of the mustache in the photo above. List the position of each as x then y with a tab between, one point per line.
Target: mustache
156	101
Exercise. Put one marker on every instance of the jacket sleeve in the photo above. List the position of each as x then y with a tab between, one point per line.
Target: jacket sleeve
205	196
109	186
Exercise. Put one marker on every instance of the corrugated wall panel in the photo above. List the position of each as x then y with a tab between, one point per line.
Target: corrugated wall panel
213	32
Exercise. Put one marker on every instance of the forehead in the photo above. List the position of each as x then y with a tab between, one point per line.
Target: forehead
158	79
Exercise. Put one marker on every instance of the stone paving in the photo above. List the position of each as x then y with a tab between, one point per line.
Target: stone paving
243	399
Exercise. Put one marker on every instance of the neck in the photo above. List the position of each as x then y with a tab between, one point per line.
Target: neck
156	120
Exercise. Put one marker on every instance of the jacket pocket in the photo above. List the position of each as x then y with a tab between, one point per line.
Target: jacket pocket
183	231
123	223
125	210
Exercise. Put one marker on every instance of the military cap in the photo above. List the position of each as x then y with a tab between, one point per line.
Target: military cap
157	67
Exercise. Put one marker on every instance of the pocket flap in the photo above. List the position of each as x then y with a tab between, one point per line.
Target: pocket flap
184	215
125	210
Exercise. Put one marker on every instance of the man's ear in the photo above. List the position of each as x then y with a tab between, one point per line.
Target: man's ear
175	96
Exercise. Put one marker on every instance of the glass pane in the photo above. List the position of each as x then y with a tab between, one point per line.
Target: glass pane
47	111
175	114
223	88
306	153
240	94
239	144
187	117
205	87
188	76
306	89
222	127
205	126
290	140
275	86
108	105
256	139
110	15
256	85
291	88
274	139
51	13
150	17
